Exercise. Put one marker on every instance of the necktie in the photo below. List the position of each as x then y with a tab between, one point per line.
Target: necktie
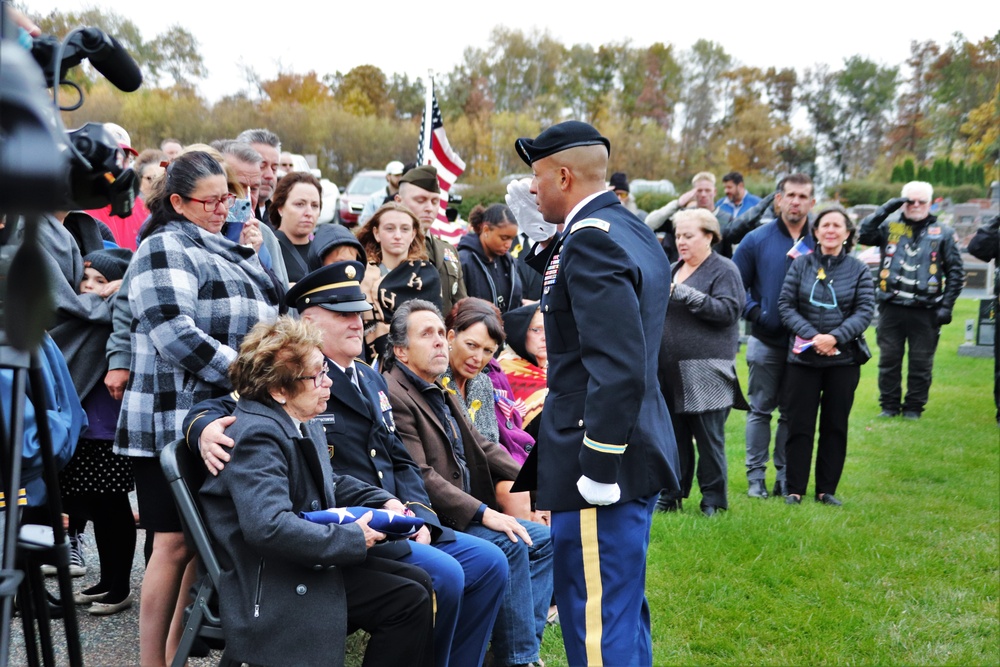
349	372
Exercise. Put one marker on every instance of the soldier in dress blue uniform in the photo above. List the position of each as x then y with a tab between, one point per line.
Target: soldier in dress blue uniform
469	574
606	446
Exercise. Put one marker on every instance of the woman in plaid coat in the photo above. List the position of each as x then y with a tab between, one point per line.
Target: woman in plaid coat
194	295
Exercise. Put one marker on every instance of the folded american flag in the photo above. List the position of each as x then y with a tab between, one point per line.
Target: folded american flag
396	526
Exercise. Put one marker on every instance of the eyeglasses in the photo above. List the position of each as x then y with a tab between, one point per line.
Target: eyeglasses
820	304
918	202
212	204
318	378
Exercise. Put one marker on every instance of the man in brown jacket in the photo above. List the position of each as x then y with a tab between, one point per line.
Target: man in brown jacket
468	478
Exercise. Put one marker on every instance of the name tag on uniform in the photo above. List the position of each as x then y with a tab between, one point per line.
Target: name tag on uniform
327	418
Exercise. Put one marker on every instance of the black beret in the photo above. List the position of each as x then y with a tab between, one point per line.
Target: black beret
336	287
619	181
425	176
558	138
110	262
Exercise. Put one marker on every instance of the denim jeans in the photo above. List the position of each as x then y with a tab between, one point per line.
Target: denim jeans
517	633
767	372
470	577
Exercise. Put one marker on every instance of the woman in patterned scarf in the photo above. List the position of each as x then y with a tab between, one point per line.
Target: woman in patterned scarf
525	361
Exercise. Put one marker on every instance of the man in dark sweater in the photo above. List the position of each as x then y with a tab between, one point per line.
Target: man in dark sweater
762	258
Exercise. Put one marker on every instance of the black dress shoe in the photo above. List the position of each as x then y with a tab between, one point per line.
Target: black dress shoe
712	510
828	499
757	489
669	505
792	499
779	488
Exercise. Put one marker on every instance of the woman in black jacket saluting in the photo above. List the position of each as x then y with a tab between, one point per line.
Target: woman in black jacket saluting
827	301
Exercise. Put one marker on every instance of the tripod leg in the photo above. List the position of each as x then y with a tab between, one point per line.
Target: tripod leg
40	608
10	464
25	603
51	475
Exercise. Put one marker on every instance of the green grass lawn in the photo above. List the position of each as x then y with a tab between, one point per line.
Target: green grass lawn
906	572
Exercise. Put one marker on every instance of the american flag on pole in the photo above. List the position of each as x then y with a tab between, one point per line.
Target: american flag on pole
435	150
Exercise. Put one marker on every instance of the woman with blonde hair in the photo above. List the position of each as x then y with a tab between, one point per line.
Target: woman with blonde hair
697	367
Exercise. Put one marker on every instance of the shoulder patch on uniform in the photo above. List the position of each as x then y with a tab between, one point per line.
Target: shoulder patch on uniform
591	223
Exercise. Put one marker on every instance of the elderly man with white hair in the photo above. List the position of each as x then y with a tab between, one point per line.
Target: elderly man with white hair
920	277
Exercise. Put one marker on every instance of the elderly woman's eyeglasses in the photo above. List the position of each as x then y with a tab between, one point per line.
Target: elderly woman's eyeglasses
317	379
212	204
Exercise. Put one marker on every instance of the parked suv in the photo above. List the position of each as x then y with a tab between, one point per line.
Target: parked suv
356	194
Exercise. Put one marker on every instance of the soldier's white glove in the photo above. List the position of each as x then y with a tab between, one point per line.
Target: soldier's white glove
529	218
597	493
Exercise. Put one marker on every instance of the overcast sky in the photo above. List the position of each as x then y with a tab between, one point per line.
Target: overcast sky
339	35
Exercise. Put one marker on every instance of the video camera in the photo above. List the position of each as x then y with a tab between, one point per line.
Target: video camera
43	167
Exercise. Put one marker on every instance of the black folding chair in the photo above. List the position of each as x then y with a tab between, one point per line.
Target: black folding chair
184	472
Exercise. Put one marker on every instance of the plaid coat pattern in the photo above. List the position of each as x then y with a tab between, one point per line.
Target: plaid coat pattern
194	296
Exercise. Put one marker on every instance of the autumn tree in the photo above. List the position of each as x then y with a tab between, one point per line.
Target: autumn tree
982	130
363	91
406	97
587	81
849	110
964	77
171	57
704	66
910	133
655	75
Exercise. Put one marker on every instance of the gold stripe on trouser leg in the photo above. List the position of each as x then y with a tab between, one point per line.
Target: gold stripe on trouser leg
592	579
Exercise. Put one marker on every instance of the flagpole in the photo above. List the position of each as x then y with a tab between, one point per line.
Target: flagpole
425	140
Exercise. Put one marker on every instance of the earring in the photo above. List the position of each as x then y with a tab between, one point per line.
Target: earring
282	402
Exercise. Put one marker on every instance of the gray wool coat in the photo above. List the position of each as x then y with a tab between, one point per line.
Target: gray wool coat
282	593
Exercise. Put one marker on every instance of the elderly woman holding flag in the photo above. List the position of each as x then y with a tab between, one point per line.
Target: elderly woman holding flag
284	576
827	301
